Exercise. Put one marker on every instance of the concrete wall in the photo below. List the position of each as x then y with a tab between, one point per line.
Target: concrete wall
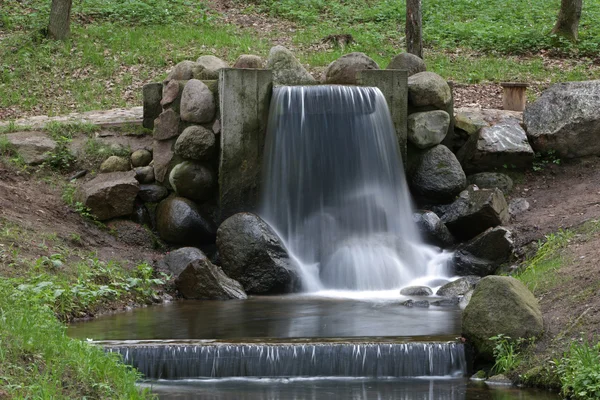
245	96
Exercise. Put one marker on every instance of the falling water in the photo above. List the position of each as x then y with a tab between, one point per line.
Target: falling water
334	189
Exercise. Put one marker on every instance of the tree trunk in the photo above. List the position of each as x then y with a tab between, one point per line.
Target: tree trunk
60	18
568	19
414	28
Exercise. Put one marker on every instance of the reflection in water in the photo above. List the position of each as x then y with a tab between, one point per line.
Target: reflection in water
272	317
330	389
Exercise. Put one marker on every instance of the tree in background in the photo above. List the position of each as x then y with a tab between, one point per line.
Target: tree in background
567	23
414	28
60	18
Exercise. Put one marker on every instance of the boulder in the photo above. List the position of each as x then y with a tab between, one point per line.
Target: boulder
131	233
151	97
166	126
171	94
144	174
201	280
179	221
33	147
411	63
470	120
208	67
491	180
193	180
252	253
196	143
197	102
502	145
110	195
427	129
459	287
287	70
500	305
418	303
474	211
517	206
483	254
429	89
565	119
141	158
416	291
152	193
174	262
437	176
164	158
344	70
115	164
249	61
432	229
182	71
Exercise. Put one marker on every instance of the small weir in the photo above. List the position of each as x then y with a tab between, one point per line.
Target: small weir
220	360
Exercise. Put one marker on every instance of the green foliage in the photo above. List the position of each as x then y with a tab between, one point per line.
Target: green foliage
61	158
538	273
542	160
579	371
38	360
506	353
96	151
140	12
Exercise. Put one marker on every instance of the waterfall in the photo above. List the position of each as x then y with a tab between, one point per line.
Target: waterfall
167	361
334	189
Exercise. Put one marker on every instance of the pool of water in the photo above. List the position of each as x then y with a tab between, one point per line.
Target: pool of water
339	388
274	317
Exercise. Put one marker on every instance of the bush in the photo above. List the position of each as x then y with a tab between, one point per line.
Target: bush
579	371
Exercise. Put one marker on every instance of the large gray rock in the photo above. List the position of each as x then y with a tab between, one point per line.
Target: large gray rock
429	89
438	176
249	61
33	147
565	119
502	145
471	120
416	291
180	221
115	164
196	143
197	102
110	195
459	287
287	70
166	126
152	193
193	180
174	262
252	253
182	71
208	67
427	129
171	94
409	62
474	211
344	70
151	95
491	180
433	230
500	305
483	254
201	280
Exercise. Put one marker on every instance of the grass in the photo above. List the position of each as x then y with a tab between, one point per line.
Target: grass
38	360
117	45
579	371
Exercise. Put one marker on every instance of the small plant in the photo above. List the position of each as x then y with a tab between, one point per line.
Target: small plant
542	160
579	371
61	158
506	353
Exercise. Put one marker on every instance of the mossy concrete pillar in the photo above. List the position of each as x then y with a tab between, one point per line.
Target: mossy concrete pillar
245	95
394	86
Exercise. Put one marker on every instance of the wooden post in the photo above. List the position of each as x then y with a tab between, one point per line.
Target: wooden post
513	96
